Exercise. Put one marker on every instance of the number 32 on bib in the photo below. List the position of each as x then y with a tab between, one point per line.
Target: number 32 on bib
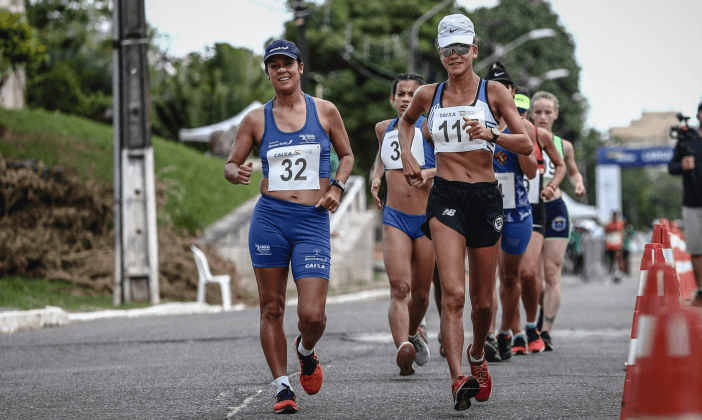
294	167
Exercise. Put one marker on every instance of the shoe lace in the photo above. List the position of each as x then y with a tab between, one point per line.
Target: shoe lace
309	364
285	394
480	372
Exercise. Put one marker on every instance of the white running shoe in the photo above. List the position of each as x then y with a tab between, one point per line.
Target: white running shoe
422	350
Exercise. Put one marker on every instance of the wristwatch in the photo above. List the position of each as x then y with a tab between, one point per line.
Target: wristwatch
340	185
495	134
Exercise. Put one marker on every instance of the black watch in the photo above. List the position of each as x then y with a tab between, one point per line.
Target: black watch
339	185
495	134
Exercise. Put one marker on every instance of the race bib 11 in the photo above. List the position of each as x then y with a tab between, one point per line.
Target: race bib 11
448	133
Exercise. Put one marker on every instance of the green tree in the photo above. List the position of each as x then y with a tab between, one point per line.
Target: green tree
19	45
358	47
77	34
205	89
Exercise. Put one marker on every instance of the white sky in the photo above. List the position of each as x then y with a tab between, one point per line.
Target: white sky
635	55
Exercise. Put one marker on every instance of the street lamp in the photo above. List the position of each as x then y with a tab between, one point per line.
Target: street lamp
500	50
415	28
533	82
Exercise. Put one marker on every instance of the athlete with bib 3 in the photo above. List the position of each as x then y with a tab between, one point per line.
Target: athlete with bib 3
294	133
408	254
464	209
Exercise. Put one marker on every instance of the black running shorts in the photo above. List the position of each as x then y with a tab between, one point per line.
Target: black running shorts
473	210
538	212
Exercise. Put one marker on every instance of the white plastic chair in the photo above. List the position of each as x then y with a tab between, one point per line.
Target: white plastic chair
205	276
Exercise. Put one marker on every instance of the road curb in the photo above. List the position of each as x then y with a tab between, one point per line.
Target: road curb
53	316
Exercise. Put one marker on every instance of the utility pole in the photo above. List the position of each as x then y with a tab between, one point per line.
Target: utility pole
301	15
136	240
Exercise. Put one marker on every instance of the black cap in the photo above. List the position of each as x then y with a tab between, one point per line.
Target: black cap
281	46
499	74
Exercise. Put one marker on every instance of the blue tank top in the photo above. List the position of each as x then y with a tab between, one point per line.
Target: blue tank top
429	158
311	133
506	162
481	104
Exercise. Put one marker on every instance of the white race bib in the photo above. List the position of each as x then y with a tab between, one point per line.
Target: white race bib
448	134
294	167
390	152
549	166
505	183
532	186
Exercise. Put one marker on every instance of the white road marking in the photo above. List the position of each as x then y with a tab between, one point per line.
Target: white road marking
246	402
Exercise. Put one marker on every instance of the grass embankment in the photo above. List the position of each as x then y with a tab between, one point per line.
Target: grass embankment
196	195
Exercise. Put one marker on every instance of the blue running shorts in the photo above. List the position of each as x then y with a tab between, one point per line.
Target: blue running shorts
557	220
409	224
286	234
516	236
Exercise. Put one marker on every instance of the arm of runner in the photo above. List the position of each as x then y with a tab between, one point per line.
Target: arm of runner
576	179
340	140
528	163
551	150
378	167
517	141
235	171
405	127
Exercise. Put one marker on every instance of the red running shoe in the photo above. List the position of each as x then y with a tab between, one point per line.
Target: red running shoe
285	402
463	389
536	344
480	371
311	375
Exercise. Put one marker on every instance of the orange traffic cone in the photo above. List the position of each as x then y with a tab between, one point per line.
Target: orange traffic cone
659	290
668	375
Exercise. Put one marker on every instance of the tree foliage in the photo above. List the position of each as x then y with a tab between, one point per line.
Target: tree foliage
18	43
205	89
78	39
358	47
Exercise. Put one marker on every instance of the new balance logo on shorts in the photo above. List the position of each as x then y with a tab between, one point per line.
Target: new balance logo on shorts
449	212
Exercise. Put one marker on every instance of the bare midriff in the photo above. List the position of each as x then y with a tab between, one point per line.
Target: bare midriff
474	166
404	197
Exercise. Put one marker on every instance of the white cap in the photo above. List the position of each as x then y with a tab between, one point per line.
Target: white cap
455	29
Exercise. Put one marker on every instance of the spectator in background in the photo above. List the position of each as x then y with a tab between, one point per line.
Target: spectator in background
687	161
614	241
628	237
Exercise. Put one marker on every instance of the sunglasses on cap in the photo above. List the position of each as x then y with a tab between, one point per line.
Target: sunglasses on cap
461	49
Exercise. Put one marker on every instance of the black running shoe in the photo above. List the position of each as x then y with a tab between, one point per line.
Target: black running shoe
491	349
504	345
547	340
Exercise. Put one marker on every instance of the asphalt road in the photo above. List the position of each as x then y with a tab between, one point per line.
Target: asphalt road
212	367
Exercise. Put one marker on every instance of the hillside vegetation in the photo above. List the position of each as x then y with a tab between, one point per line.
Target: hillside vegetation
59	226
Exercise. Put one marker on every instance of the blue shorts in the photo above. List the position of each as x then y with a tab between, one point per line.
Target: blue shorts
286	234
516	236
557	220
409	224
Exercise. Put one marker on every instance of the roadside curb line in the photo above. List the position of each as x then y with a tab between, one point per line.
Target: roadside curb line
53	316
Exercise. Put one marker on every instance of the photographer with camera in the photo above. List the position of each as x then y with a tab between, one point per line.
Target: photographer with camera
687	161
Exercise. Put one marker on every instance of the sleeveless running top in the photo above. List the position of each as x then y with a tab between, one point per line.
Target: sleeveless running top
535	185
295	160
422	149
510	176
549	166
445	123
